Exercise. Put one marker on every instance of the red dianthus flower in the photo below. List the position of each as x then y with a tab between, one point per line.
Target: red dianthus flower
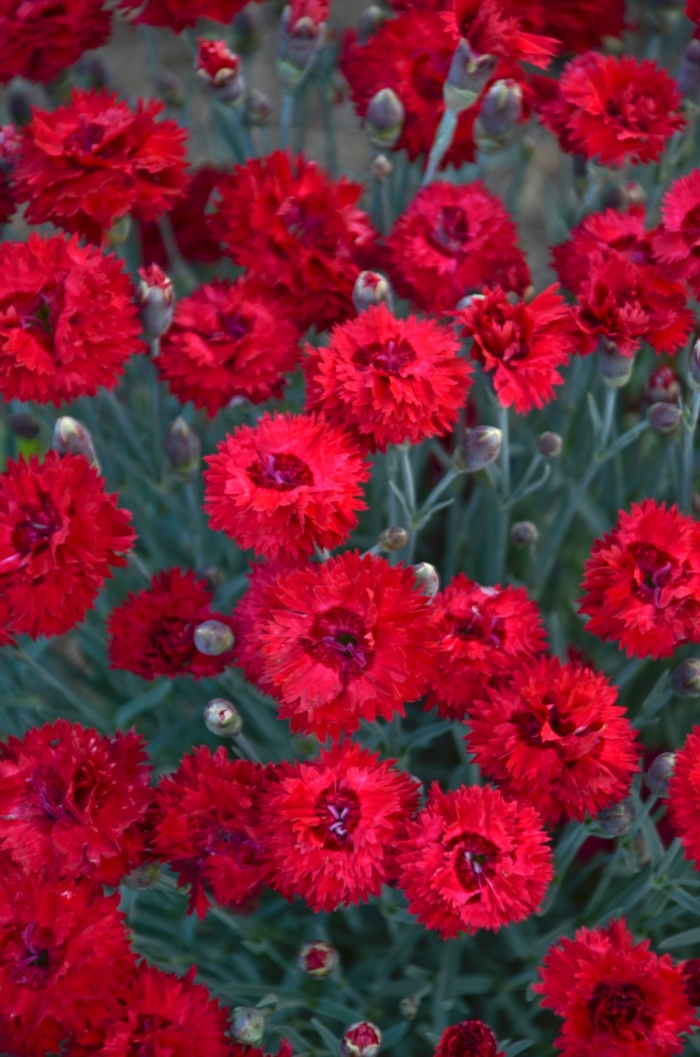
473	860
599	234
677	241
332	825
207	824
10	140
244	619
523	344
152	633
346	640
286	485
577	24
684	796
71	802
298	231
40	39
484	634
617	998
94	160
188	219
67	320
182	14
59	534
471	1038
492	27
453	240
554	737
618	110
642	581
228	340
388	380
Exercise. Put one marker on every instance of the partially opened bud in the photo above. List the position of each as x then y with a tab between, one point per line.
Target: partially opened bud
392	538
427	578
663	417
371	288
384	118
183	448
371	19
300	37
500	111
466	78
686	678
480	447
524	534
222	718
144	876
247	1025
694	368
219	69
617	819
258	108
660	773
549	444
71	437
156	300
664	385
318	959
615	368
213	638
408	1007
361	1039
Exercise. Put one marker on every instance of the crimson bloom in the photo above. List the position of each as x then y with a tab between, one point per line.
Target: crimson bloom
71	802
59	534
577	24
298	231
453	240
86	164
555	737
207	824
228	340
684	796
68	322
618	110
10	140
152	633
523	344
388	380
492	28
471	1038
346	640
677	242
38	40
617	997
188	219
597	236
484	634
473	860
244	619
642	581
332	823
286	485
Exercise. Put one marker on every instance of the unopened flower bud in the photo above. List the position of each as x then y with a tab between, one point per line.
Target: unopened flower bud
617	819
408	1007
660	772
318	959
689	73
183	448
219	69
371	288
381	167
213	638
663	385
24	425
384	118
499	114
119	231
427	578
694	368
549	444
686	678
156	300
468	300
361	1039
247	1025
615	368
298	43
392	538
19	106
371	19
71	437
222	718
466	77
480	447
524	534
258	108
144	876
663	417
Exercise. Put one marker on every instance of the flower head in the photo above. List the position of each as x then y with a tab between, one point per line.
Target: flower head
40	39
473	860
152	633
523	344
388	380
577	24
677	242
554	737
597	236
331	825
90	162
228	340
244	619
617	998
67	320
59	534
642	581
471	1038
188	218
492	27
453	240
183	14
684	796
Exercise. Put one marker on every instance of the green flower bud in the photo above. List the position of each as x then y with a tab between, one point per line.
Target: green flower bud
660	772
222	718
427	578
384	118
371	288
549	444
213	638
392	538
663	417
247	1025
524	534
71	437
615	368
480	447
616	820
183	448
686	678
466	77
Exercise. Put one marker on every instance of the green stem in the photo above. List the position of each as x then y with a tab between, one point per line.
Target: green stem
286	117
504	506
686	496
441	144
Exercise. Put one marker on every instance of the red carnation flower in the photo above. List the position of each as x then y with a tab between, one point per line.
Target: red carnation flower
86	164
40	39
332	823
188	219
555	737
453	240
599	234
298	231
691	979
484	633
67	320
316	10
471	1038
617	998
642	581
523	344
286	485
228	340
152	633
346	640
10	140
473	860
492	28
620	111
684	796
244	619
388	380
628	304
71	802
677	241
59	943
59	534
182	14
207	824
578	24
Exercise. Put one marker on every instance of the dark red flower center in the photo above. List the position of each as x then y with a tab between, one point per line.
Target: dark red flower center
475	862
234	325
451	232
246	851
471	1038
33	958
339	640
32	534
144	1040
620	1010
545	726
299	222
338	812
280	471
86	137
427	75
171	640
390	358
655	569
480	624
